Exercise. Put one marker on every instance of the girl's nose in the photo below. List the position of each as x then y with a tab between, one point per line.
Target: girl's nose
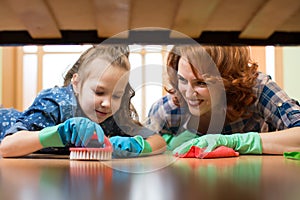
106	102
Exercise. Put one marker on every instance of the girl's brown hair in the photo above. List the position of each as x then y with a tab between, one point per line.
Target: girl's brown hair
117	55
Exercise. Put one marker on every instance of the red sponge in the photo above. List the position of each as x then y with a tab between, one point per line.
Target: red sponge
219	152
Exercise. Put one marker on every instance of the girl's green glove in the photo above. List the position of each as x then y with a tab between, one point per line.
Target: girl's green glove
244	143
77	131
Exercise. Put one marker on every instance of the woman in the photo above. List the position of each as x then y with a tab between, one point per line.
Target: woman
218	98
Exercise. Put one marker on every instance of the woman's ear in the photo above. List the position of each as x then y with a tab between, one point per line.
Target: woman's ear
75	82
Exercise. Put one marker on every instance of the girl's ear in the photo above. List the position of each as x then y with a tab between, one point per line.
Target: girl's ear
75	83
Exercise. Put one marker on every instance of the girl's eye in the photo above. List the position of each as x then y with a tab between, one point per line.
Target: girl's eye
182	80
99	93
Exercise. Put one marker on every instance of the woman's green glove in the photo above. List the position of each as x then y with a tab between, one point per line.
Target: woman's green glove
292	155
175	141
244	143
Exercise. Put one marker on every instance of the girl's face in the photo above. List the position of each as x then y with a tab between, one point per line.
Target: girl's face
101	92
193	89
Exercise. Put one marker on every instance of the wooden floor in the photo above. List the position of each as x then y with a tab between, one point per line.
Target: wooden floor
161	177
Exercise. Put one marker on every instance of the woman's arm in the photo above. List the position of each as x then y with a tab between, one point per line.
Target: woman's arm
281	141
19	144
157	144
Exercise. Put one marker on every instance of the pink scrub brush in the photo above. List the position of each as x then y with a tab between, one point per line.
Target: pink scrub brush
93	151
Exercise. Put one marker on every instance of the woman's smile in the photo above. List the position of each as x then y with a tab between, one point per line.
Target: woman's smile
194	102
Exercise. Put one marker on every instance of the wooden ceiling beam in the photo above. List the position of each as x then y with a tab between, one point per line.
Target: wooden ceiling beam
36	17
153	14
192	17
112	17
270	17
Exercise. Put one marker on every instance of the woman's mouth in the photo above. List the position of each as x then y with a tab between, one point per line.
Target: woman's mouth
194	102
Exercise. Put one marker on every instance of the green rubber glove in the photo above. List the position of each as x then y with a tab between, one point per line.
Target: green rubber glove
175	141
49	137
292	155
244	143
146	148
77	131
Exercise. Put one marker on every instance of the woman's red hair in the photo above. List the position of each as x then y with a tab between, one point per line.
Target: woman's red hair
237	70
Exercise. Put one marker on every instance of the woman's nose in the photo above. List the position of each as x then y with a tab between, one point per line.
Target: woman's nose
190	91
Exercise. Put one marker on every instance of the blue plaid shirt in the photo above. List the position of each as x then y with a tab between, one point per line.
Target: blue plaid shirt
273	110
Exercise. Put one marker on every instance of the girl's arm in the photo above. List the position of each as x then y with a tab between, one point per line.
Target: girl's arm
157	143
19	144
281	141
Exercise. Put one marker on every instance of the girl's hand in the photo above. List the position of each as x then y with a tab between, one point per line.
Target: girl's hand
77	131
129	146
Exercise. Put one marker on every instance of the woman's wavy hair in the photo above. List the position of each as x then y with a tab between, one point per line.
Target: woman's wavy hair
172	68
238	73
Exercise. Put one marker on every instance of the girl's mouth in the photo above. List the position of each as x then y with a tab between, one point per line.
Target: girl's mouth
101	113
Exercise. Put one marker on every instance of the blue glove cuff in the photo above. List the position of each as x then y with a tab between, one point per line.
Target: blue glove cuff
146	148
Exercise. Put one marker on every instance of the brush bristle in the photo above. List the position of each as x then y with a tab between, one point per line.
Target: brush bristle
92	152
88	154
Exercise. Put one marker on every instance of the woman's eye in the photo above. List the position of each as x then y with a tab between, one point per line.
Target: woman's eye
201	83
117	96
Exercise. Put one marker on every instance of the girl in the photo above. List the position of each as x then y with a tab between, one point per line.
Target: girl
217	97
69	115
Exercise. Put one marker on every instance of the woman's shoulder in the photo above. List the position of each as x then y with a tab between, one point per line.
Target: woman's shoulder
263	78
264	84
166	102
165	106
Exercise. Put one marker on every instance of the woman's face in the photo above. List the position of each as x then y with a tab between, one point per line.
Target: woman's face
101	92
193	89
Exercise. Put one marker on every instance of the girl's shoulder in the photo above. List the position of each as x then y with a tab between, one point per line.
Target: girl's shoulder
56	91
56	99
56	94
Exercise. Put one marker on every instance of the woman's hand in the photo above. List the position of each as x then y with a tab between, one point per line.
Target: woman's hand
244	143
